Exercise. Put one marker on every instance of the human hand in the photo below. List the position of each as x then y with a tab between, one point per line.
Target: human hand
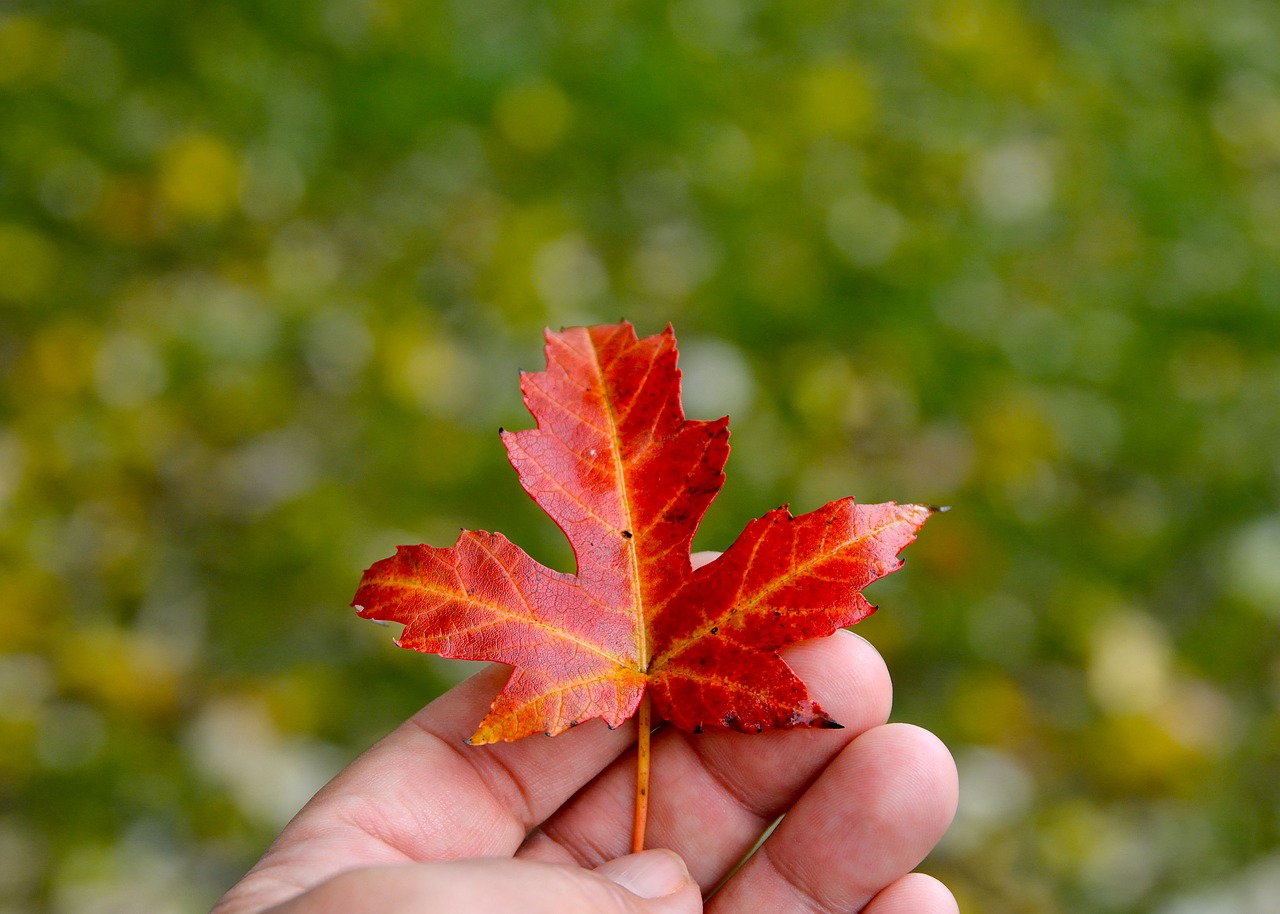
542	825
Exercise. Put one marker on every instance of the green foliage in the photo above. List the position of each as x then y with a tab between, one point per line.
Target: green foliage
267	272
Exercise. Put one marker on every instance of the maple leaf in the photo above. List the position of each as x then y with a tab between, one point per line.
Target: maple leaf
627	478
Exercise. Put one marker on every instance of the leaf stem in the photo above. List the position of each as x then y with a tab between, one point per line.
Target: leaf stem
643	724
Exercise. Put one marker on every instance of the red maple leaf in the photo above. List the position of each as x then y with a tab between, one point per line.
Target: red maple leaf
627	478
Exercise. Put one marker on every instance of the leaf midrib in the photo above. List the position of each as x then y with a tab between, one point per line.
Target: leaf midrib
641	625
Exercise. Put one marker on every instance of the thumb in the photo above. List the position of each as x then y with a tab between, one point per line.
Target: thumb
655	874
652	882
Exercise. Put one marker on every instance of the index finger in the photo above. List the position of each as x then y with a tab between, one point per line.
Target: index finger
422	793
425	792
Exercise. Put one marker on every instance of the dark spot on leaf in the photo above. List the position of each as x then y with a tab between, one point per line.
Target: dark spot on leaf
626	534
715	629
759	728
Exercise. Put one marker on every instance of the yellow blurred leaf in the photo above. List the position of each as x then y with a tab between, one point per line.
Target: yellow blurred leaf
533	116
28	263
992	710
28	50
200	178
125	670
837	99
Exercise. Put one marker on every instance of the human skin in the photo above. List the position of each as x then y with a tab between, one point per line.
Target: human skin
424	822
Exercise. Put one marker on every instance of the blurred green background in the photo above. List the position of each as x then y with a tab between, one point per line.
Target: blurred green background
268	271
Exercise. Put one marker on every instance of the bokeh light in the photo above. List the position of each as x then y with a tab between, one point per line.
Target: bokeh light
268	271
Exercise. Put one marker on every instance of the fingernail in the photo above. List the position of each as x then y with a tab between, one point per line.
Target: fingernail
649	874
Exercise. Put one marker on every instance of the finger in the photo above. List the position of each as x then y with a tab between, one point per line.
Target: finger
652	883
713	794
425	789
914	893
423	794
875	813
428	795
